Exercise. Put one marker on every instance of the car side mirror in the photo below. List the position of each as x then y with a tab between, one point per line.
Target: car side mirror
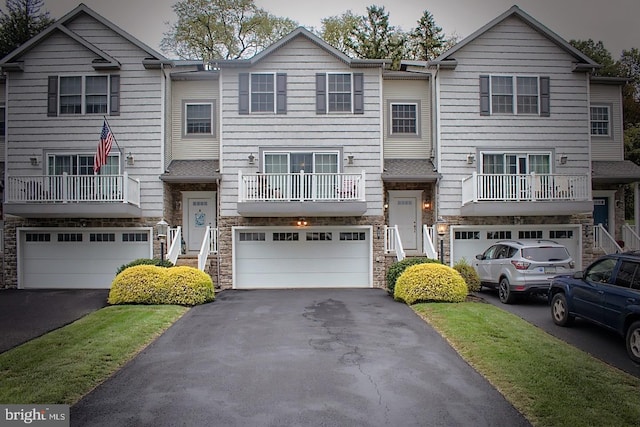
578	275
480	257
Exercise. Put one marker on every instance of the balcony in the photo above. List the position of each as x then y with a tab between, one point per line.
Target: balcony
521	195
301	194
73	196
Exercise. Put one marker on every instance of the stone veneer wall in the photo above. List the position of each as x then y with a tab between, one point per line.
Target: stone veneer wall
225	225
10	270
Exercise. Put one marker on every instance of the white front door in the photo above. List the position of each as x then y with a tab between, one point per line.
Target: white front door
200	213
405	212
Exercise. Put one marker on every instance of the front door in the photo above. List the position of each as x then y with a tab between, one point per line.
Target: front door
405	212
200	213
601	211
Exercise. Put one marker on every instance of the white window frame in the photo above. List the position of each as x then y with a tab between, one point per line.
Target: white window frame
83	94
514	94
112	155
329	92
416	118
185	129
518	155
314	153
273	93
608	121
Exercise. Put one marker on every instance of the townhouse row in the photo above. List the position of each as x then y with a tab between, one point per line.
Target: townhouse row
302	167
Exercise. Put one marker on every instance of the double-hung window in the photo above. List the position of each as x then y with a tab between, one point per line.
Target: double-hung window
518	95
516	163
600	120
339	92
262	93
76	95
198	118
404	118
81	164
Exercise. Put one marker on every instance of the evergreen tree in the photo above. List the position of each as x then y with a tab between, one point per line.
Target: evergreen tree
22	20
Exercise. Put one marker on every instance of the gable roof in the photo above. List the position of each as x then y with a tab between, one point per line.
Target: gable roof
584	62
104	60
302	32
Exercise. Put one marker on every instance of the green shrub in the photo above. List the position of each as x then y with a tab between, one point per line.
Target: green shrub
140	284
430	282
469	274
145	261
399	267
188	286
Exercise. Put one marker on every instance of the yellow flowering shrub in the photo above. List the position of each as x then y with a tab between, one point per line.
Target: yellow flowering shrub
430	282
188	286
469	274
142	284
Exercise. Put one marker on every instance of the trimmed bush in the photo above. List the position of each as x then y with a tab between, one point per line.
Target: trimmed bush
399	267
145	261
140	284
469	274
430	282
188	286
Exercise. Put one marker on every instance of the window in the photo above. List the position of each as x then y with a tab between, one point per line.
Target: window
498	235
466	235
601	271
81	164
3	122
515	163
600	121
102	237
198	118
294	162
404	119
252	237
561	234
262	93
514	95
69	237
628	276
74	95
530	234
285	237
339	92
37	237
360	235
135	237
320	236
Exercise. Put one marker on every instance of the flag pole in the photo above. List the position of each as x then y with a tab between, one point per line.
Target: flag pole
113	134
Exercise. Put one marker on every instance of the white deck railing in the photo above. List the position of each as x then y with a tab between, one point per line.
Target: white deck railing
392	242
174	243
73	189
630	238
604	241
284	187
428	248
525	188
209	246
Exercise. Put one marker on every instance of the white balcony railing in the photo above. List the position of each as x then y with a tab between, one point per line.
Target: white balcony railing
525	188
73	189
285	187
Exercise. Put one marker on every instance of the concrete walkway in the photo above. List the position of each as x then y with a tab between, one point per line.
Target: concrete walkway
297	358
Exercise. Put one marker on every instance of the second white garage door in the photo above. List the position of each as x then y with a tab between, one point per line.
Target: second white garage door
313	257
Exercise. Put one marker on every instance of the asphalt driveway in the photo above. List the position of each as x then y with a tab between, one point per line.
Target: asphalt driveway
297	358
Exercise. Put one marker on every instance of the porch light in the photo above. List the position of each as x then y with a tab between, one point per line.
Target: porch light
252	159
130	159
162	227
563	160
441	228
302	222
471	158
350	160
34	161
427	204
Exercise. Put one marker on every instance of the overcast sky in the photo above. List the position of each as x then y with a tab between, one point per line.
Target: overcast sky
615	22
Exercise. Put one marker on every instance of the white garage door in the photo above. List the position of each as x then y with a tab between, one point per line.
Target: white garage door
302	258
468	241
77	258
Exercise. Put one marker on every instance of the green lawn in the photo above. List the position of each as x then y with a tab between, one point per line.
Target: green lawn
64	365
549	381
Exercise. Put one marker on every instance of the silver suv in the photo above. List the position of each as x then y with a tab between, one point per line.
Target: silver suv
522	267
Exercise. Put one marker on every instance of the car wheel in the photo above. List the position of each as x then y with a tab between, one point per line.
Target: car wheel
504	291
633	341
560	310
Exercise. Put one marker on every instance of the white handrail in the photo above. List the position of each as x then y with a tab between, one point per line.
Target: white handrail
630	238
174	242
392	242
213	238
427	242
604	241
205	249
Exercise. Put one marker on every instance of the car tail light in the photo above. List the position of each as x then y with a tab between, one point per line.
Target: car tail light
520	265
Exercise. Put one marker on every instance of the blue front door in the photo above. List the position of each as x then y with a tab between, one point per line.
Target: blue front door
601	211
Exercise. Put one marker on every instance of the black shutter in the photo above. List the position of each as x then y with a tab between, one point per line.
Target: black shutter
243	93
321	93
52	97
281	93
114	95
358	93
485	106
545	96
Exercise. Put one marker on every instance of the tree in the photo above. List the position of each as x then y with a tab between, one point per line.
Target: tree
336	30
629	65
600	54
222	29
22	20
374	38
426	41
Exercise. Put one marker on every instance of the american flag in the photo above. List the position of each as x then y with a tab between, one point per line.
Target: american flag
104	146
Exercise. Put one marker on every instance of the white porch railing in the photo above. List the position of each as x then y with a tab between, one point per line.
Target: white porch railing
525	188
284	187
604	241
428	248
174	243
73	189
209	246
392	242
630	238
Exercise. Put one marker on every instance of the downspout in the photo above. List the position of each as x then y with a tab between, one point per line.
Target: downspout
435	146
218	258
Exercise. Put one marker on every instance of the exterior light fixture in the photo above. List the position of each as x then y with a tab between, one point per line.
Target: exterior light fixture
34	161
563	160
162	227
252	159
350	160
302	222
441	228
471	158
426	205
130	159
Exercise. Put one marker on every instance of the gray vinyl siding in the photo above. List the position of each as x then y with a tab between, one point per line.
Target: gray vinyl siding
408	146
301	127
510	48
3	98
138	128
612	147
185	148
